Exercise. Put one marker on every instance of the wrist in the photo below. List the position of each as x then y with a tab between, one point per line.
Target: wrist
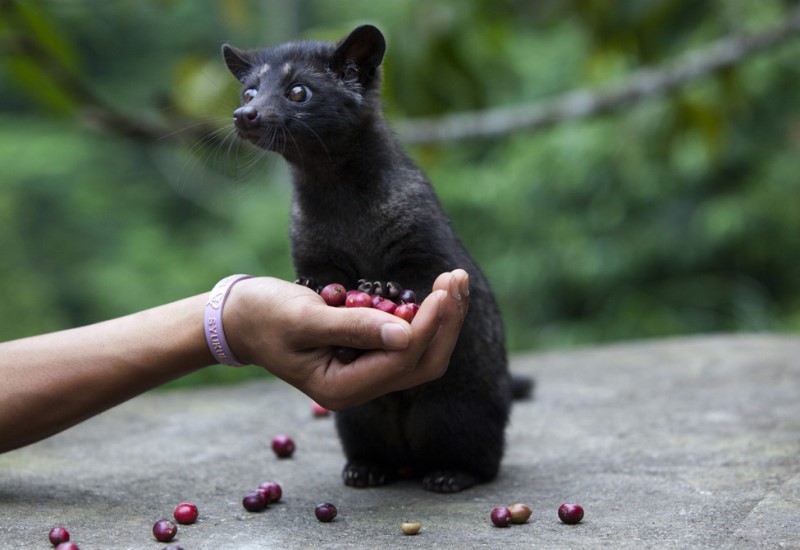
241	318
213	321
252	318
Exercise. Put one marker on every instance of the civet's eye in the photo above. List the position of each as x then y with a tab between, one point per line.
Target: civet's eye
249	94
298	93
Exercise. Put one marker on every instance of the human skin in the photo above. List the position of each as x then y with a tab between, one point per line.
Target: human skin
53	381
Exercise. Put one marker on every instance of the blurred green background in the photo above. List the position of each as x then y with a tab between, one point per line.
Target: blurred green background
122	185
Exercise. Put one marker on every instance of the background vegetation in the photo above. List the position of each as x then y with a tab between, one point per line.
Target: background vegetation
122	186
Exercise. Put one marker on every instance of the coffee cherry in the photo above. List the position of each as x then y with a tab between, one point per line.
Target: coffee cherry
406	311
378	289
570	513
501	516
319	410
386	305
325	511
58	535
519	512
283	446
410	527
67	546
172	547
264	493
358	299
273	489
254	502
346	355
334	294
408	296
185	513
164	530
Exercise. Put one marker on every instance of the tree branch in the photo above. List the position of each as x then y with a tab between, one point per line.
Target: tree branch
489	123
638	86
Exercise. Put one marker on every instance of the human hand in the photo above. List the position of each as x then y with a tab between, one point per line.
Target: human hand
289	330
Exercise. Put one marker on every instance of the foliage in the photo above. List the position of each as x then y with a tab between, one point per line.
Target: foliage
678	215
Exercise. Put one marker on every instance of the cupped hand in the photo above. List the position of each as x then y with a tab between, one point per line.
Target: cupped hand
289	330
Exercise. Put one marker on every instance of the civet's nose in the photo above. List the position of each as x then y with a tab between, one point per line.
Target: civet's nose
246	117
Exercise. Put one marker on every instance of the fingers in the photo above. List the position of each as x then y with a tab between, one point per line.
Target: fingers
456	283
436	328
441	337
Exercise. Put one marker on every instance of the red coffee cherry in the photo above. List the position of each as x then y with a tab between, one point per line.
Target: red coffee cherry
185	513
58	535
283	446
325	511
501	516
570	513
254	502
164	530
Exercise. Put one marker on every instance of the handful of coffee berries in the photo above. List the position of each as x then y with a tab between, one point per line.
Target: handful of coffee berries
385	296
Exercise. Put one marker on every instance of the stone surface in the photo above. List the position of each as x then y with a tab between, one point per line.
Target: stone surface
684	443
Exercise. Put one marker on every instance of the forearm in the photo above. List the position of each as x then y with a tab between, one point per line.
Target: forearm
54	381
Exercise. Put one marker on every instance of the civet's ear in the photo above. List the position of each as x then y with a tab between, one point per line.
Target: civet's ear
239	62
360	54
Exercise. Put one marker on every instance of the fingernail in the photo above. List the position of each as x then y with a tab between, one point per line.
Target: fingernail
465	286
394	336
455	292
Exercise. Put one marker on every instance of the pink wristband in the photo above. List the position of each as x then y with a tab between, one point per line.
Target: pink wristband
215	336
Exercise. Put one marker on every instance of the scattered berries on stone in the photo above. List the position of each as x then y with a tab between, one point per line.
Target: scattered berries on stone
570	513
254	502
283	446
67	546
520	512
185	513
264	493
325	512
410	527
58	535
273	489
164	530
501	516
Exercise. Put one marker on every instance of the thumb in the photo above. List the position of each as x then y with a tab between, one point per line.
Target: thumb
361	328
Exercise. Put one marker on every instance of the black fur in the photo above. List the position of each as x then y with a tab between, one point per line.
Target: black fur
362	209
